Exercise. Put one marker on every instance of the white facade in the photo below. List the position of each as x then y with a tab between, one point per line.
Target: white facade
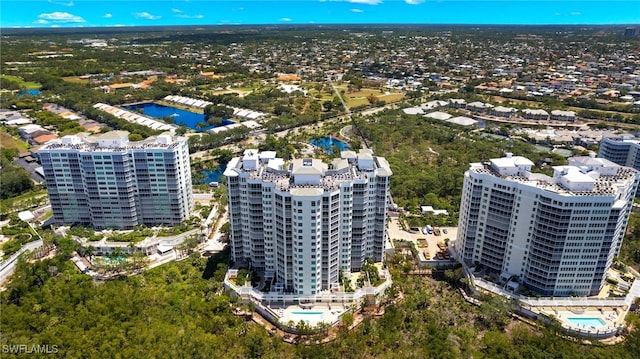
105	181
303	221
623	150
558	234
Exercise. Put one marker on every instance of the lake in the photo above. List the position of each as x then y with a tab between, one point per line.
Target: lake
180	116
327	143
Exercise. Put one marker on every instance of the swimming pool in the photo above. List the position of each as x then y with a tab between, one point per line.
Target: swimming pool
309	317
115	260
587	322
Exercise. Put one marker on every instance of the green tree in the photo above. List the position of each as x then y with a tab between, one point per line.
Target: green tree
14	180
219	111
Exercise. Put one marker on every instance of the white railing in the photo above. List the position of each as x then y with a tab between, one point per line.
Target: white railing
246	291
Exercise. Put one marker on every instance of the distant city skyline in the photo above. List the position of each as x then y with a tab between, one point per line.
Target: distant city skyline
117	13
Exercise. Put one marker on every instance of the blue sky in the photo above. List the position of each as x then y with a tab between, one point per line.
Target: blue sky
91	13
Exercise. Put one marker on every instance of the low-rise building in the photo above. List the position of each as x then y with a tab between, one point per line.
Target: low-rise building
504	112
479	107
559	115
535	114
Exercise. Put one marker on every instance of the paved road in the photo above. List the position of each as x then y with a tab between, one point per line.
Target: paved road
9	266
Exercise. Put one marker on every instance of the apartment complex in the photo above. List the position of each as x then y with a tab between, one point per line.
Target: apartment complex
555	235
105	181
623	150
303	221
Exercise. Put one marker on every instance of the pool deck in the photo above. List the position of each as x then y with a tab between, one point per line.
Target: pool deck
610	316
330	313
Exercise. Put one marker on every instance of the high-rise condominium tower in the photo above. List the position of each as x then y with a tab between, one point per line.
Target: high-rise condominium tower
105	181
302	221
623	150
558	234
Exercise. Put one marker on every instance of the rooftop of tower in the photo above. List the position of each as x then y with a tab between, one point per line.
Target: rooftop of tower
308	172
584	176
113	141
625	139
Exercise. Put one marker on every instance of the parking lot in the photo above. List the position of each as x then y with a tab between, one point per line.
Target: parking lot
428	248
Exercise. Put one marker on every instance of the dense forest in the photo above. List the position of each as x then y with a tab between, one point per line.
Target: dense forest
180	310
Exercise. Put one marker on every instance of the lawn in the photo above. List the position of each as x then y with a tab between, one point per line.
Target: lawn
28	85
392	97
182	107
75	80
9	141
355	102
359	98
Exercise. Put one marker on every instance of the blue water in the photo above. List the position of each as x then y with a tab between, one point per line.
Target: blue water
33	92
587	322
327	143
213	175
188	118
307	313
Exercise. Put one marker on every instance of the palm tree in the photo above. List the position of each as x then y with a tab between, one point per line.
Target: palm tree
88	251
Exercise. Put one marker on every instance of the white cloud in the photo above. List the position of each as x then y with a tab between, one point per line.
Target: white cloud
575	13
107	16
285	19
368	2
357	10
59	16
177	11
146	15
40	21
414	2
185	16
70	3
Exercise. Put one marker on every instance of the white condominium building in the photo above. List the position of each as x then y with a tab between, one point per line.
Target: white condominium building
105	181
623	150
558	235
303	221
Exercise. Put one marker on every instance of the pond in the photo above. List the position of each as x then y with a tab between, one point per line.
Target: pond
327	143
180	116
212	175
33	92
